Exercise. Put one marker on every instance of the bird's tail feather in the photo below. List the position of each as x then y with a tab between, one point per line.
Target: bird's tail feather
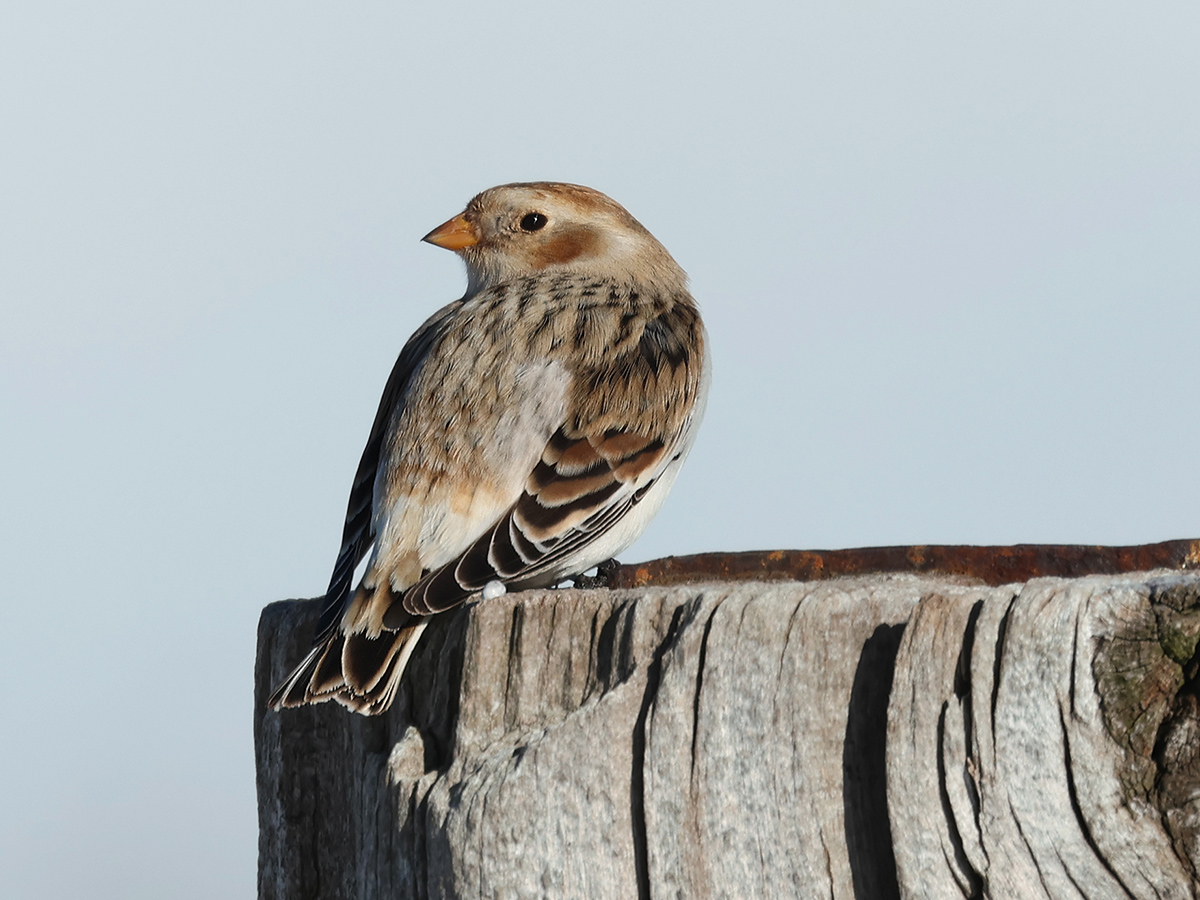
358	671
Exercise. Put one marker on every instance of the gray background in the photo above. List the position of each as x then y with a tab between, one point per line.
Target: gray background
947	256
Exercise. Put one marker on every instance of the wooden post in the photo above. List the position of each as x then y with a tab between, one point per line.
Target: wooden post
874	736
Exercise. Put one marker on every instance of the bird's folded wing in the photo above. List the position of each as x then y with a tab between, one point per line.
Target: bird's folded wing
582	486
358	533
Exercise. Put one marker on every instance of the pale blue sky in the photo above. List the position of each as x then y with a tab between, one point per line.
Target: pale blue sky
949	258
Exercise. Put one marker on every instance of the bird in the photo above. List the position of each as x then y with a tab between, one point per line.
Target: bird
528	431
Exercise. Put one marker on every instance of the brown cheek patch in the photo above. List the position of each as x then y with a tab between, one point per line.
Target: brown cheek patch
569	244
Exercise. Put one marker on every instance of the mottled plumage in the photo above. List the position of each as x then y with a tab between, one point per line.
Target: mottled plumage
527	432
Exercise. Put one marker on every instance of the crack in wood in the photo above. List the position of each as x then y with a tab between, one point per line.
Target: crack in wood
637	783
997	664
974	879
864	768
1084	828
700	661
963	690
1037	867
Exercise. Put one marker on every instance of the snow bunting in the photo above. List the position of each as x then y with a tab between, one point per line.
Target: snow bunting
528	431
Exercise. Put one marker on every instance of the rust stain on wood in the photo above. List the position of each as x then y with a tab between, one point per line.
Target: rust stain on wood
989	565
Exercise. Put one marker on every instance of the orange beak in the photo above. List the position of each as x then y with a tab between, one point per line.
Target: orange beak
457	234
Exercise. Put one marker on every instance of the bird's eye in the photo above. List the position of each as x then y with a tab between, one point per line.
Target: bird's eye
533	221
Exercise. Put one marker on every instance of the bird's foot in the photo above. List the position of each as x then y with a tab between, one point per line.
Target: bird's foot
605	575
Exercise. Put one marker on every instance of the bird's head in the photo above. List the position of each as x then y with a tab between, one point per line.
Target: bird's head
518	230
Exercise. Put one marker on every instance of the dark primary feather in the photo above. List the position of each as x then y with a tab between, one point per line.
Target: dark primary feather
358	533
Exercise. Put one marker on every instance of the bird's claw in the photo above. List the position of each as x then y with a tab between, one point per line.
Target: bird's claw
606	573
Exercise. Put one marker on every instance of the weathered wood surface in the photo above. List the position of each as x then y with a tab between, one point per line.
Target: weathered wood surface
868	737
